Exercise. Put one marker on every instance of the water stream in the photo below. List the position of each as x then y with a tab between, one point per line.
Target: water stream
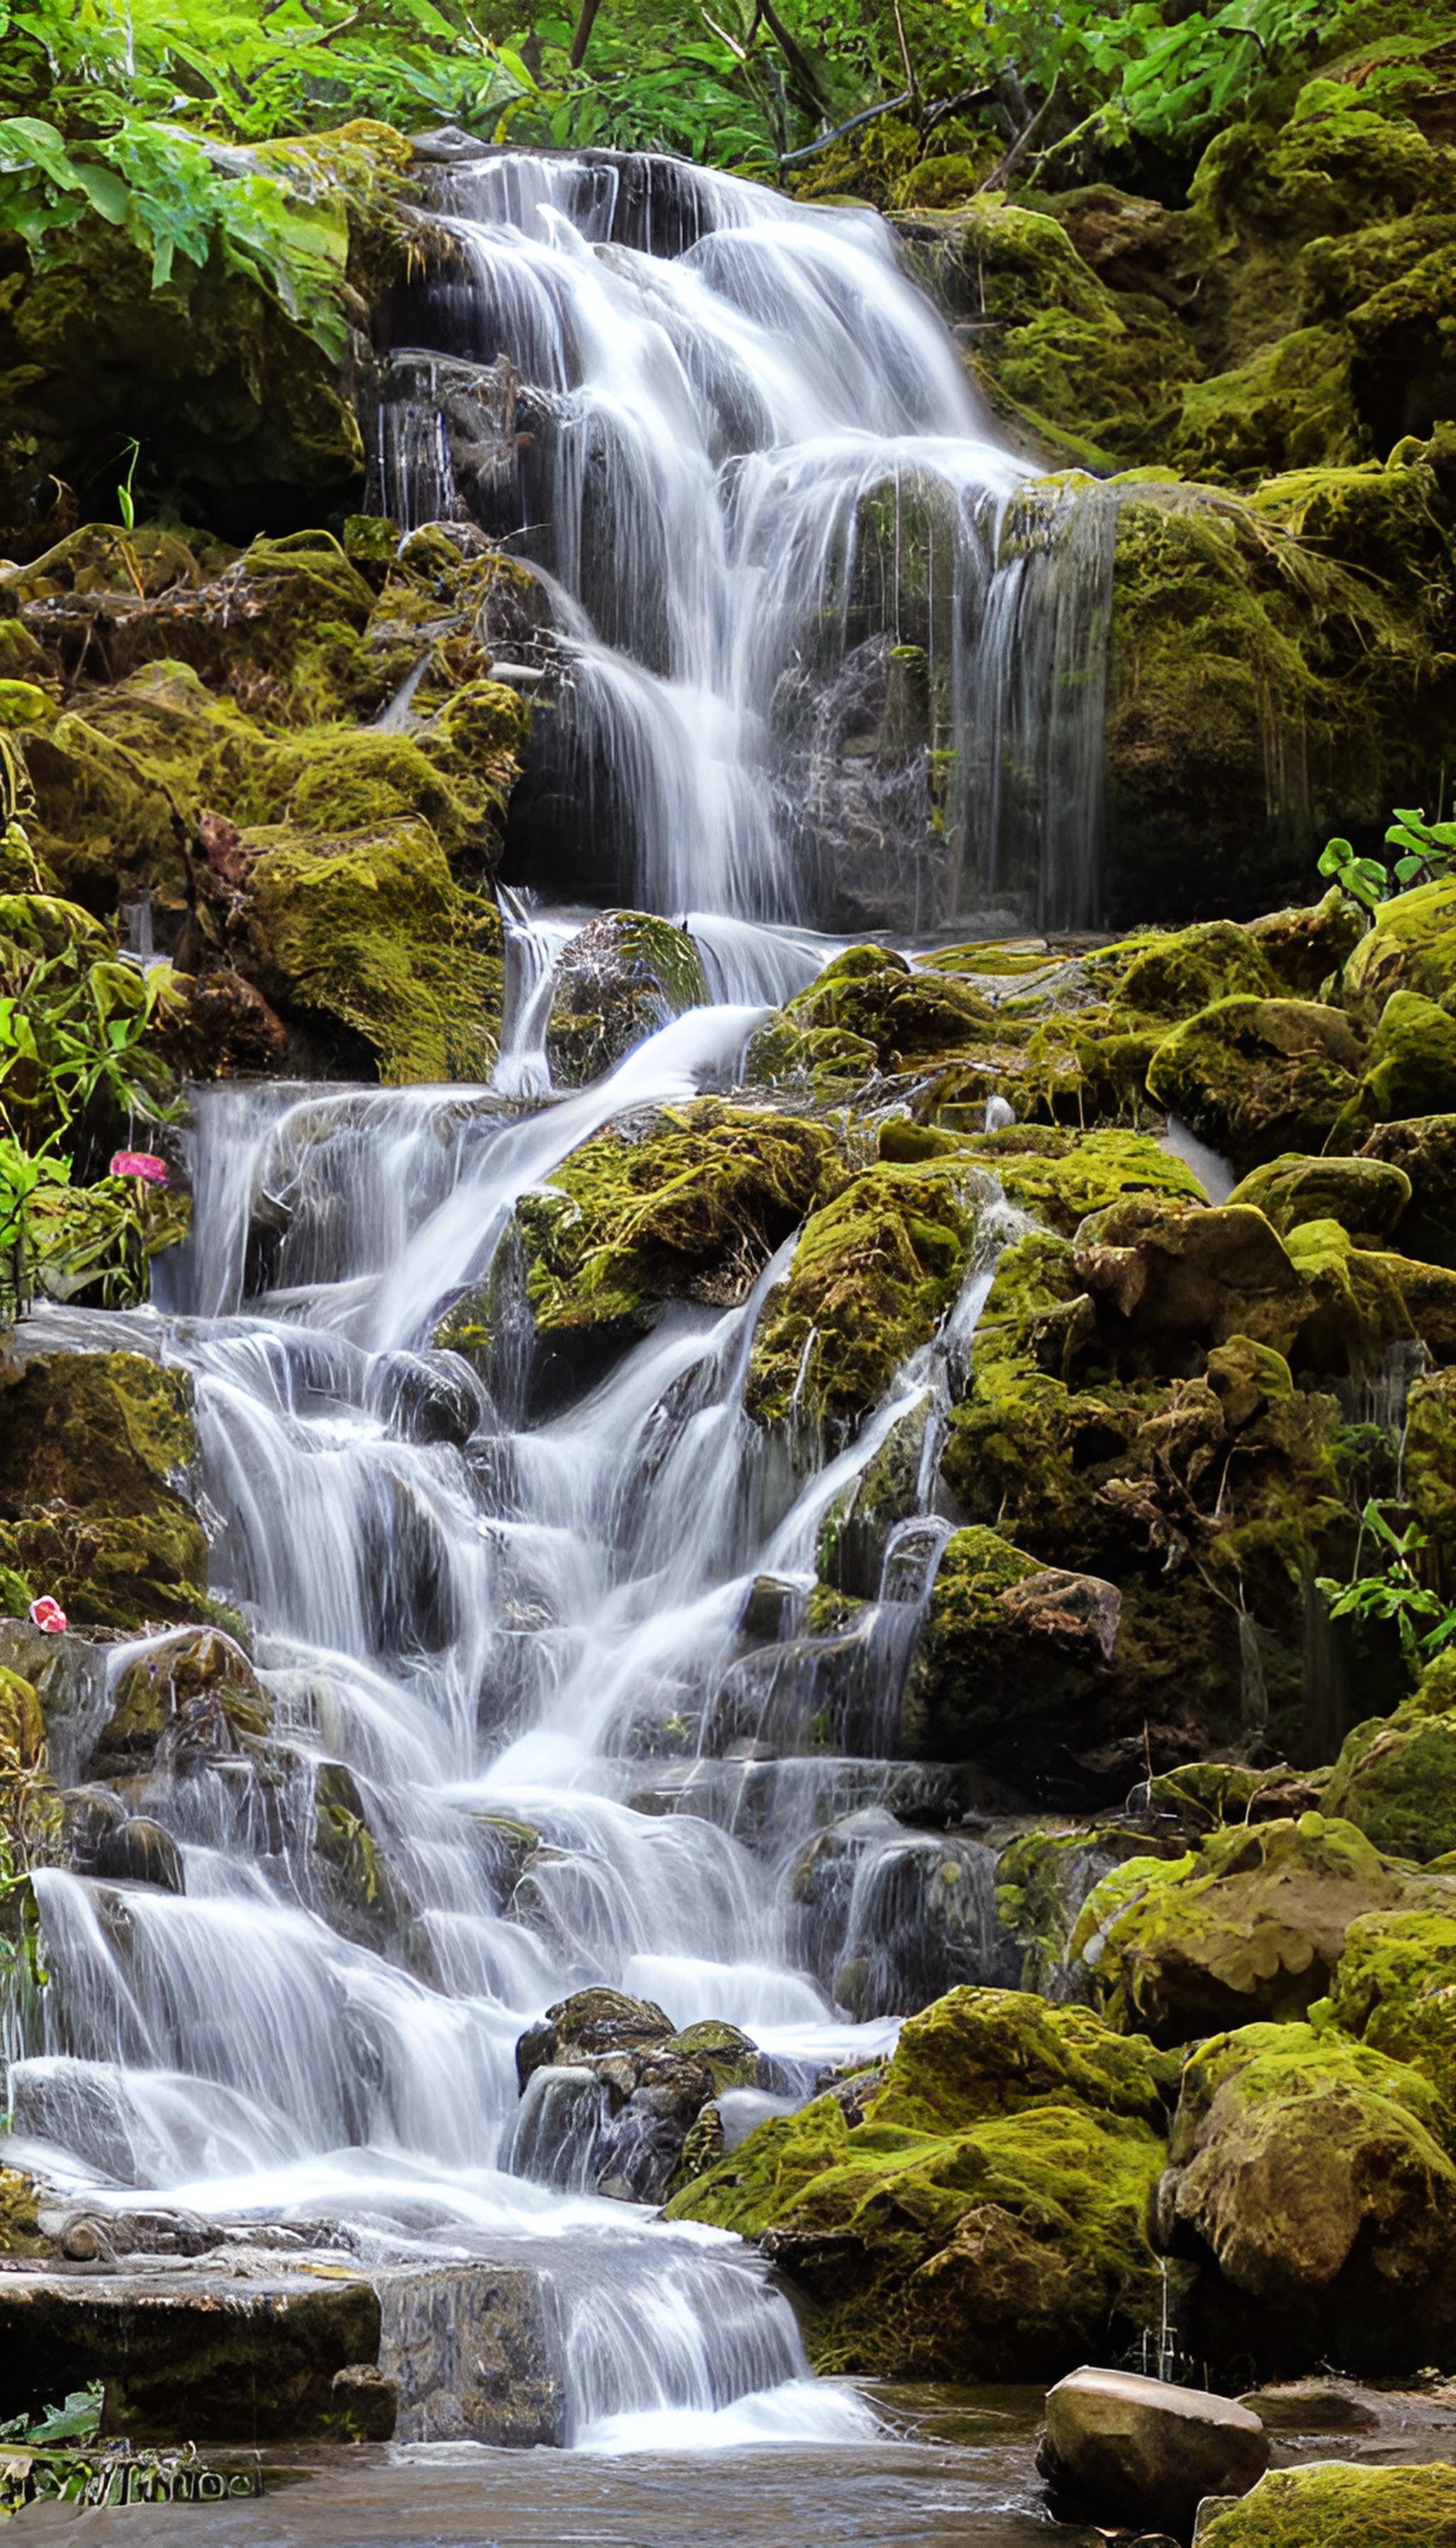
518	1644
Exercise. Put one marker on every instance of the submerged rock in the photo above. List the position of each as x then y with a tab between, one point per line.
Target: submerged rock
1120	2448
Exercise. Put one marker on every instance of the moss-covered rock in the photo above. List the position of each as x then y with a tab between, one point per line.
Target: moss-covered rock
1314	2507
625	975
91	1447
1395	1777
1367	1197
1315	2173
1009	1659
1395	1990
1431	1458
1410	946
372	945
873	1273
1424	1151
902	1012
1251	1924
692	1203
982	2206
189	1695
1060	1176
1258	1078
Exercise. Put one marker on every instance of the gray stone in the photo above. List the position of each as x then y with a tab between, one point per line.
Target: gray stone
1120	2448
469	2351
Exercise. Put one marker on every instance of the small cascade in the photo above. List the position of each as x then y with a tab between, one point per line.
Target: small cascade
827	651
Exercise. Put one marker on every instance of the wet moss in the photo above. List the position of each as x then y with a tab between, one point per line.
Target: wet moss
1395	1990
873	1273
1396	1776
904	1012
1064	1177
1424	1151
1257	1077
90	1509
625	975
1412	947
988	2207
693	1203
1366	1197
373	937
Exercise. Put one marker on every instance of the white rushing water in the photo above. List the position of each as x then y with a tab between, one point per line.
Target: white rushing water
506	1626
778	527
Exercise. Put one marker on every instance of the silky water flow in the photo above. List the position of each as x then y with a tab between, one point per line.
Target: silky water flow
518	1626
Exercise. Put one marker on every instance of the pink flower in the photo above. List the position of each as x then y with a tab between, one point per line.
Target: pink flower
49	1614
139	1163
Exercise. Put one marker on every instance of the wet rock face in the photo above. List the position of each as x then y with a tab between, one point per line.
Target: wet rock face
611	2091
625	975
1120	2448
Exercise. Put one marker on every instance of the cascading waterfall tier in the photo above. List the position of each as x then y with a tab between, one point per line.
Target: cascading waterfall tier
510	1660
830	652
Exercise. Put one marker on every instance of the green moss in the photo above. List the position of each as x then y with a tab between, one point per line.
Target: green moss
902	1012
872	1274
20	2224
1060	1185
1430	1456
375	938
1410	1068
1289	407
1395	1777
1250	1924
695	1204
198	1681
987	2211
1395	1990
1365	1196
1424	1151
1410	947
1257	1077
91	1446
1339	2505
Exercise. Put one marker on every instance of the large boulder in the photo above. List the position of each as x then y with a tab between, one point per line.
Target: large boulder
1423	1149
1120	2448
1366	1196
1395	1990
1316	2174
1396	1776
611	2092
1254	1077
1011	1654
976	2210
1410	946
1251	1924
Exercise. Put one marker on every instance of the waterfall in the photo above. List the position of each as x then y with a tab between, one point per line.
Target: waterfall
549	1677
829	651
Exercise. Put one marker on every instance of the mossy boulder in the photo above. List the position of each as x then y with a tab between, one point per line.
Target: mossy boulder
1367	1197
690	1203
1410	946
1251	1924
1411	1068
625	975
873	1273
904	1012
1396	1990
1424	1151
1010	1656
1430	1465
1395	1777
91	1449
1337	2500
181	1698
1316	2174
1254	1077
375	948
978	2206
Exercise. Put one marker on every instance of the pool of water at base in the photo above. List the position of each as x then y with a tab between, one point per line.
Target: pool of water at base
952	2468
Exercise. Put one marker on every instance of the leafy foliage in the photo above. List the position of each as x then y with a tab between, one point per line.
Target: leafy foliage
1396	1591
1427	853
